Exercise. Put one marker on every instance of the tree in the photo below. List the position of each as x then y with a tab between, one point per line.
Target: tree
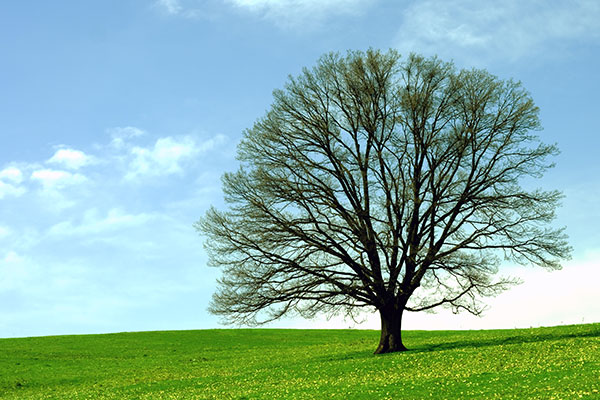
381	182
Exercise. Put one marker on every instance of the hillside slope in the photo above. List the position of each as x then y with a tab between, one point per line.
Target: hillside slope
559	362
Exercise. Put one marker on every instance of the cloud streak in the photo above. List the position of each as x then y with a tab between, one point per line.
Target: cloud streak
92	223
300	14
482	31
169	6
286	14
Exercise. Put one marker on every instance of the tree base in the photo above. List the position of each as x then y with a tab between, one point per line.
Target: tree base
386	348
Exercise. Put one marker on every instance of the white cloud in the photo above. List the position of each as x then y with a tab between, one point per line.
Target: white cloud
167	155
12	174
478	31
163	159
57	179
10	180
71	159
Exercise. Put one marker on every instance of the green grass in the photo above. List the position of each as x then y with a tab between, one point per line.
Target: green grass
542	363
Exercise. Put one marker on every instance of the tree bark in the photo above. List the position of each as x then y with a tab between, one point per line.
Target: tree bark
391	331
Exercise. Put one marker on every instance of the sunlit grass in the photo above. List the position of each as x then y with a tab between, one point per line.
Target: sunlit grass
543	363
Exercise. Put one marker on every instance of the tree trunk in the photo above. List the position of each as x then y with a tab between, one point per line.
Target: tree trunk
391	331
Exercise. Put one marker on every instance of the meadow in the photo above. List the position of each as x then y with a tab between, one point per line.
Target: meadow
542	363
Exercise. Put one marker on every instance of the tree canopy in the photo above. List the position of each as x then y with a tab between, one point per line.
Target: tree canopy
390	183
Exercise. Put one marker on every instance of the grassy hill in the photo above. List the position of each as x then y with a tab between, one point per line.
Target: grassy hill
543	363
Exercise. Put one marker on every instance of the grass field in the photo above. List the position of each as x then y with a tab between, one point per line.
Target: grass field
542	363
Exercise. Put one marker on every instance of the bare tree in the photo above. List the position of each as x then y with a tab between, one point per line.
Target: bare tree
387	183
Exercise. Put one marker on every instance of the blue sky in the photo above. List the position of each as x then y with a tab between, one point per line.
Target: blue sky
117	120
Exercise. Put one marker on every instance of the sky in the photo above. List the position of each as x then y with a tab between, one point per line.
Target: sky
117	120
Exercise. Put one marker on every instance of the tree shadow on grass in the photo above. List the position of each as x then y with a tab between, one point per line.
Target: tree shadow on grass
472	341
506	339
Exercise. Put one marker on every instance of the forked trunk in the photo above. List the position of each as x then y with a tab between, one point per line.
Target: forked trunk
391	331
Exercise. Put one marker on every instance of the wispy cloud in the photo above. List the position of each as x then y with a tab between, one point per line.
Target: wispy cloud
191	9
286	14
479	31
94	223
169	6
301	13
121	135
